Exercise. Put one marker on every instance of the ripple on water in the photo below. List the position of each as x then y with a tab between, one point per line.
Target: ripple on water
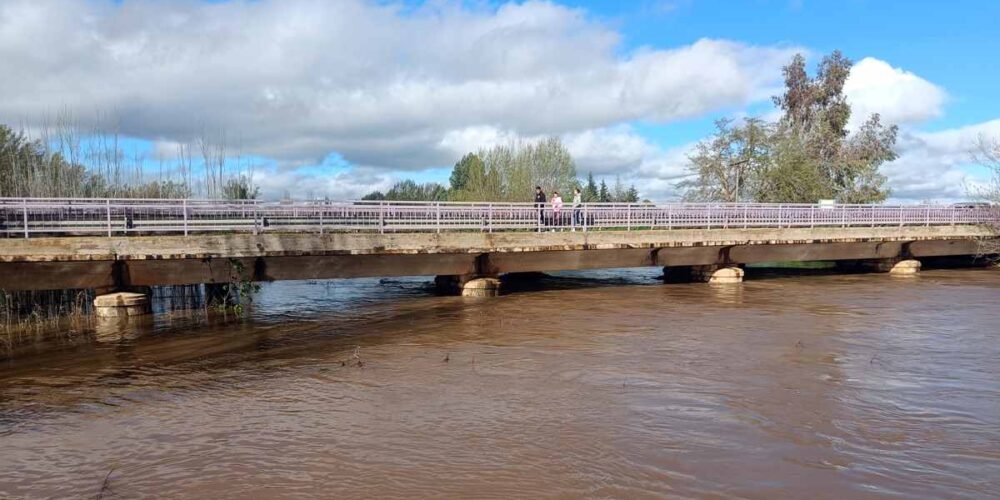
588	384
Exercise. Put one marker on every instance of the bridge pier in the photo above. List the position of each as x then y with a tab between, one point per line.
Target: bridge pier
468	285
895	267
122	305
713	273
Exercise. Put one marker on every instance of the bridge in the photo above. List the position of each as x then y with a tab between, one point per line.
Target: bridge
110	244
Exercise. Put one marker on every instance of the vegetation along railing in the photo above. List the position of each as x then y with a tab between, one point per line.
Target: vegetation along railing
28	217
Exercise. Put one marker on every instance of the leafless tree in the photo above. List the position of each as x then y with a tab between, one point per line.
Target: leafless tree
986	152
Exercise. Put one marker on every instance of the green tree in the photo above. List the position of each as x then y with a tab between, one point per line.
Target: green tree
807	155
511	171
814	121
632	195
603	195
408	190
469	166
727	166
590	193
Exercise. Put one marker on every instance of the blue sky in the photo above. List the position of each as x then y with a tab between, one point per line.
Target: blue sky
336	98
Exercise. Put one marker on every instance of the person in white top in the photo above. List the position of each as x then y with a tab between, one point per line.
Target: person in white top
577	208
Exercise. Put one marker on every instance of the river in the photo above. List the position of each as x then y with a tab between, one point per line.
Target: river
593	384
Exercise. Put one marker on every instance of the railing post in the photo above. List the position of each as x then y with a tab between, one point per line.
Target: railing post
812	216
25	208
628	217
321	219
670	217
901	211
184	209
381	217
108	205
781	212
927	216
489	217
437	216
746	214
586	212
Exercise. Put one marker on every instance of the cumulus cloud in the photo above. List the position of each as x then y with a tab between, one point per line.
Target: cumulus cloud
383	86
935	166
901	97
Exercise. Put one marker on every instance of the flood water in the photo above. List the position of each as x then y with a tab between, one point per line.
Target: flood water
598	384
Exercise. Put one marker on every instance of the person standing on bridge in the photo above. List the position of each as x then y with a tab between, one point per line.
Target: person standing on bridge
577	208
557	205
540	204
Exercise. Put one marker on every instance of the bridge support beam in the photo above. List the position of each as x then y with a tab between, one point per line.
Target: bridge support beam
713	273
895	267
468	285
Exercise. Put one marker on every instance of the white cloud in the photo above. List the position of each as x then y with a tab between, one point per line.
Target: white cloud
901	97
934	165
383	86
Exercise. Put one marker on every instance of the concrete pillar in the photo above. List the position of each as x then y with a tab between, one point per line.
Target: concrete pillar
705	274
895	267
121	305
717	274
906	267
468	285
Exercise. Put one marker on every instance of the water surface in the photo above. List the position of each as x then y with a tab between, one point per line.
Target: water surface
600	384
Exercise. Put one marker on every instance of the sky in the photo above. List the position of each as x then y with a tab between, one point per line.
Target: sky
336	98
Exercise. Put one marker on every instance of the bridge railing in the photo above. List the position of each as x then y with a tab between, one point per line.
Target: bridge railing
27	217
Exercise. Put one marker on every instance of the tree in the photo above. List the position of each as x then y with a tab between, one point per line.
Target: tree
812	134
986	153
727	166
603	195
632	195
408	190
807	155
469	166
240	188
511	171
590	193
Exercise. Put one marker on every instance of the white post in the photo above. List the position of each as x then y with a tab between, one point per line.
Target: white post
25	202
437	216
585	212
108	204
381	217
321	219
628	216
489	217
184	208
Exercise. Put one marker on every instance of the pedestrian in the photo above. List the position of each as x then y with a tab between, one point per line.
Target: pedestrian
577	208
540	204
557	205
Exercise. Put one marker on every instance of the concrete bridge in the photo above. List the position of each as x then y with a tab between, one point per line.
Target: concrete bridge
120	244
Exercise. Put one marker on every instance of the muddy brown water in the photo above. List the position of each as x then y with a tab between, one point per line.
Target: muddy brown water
602	384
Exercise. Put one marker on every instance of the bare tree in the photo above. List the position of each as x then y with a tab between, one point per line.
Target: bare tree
986	152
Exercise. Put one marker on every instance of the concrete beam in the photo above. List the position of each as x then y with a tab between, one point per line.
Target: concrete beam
85	262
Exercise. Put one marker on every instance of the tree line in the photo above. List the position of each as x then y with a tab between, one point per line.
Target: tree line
64	163
509	173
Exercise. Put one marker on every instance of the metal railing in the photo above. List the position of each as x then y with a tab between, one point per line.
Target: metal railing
27	217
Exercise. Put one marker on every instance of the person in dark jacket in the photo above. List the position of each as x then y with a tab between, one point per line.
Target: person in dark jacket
540	204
